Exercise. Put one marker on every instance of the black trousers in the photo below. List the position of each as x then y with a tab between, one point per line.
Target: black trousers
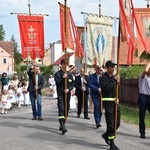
82	97
144	104
61	104
109	107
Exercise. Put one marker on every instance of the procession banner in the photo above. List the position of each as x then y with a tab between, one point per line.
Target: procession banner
69	35
127	27
143	20
99	39
65	28
32	36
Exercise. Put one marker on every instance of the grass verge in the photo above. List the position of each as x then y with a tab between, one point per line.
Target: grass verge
131	115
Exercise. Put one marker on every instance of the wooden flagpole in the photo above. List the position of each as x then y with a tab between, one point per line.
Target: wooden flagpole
117	72
83	94
101	102
66	98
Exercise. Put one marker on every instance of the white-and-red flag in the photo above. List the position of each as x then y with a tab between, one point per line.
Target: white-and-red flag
32	36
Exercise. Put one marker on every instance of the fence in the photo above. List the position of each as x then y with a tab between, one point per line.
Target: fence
129	91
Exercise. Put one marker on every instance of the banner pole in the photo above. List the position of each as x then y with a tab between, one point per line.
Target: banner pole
66	98
117	86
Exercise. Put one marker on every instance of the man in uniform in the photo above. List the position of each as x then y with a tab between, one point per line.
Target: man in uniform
108	89
60	77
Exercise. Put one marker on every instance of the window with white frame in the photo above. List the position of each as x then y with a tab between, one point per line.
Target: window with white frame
4	60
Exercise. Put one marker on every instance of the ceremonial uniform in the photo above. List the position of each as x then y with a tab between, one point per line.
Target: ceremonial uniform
108	89
60	84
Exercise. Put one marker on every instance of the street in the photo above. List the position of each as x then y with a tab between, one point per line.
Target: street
19	132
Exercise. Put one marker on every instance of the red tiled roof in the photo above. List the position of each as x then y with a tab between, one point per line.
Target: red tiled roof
57	62
7	46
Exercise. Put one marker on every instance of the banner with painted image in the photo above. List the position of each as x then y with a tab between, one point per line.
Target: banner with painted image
99	39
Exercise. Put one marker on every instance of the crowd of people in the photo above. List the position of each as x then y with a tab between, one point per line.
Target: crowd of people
82	91
13	92
100	87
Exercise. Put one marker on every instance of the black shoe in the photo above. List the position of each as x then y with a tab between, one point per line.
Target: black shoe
78	116
114	147
40	118
60	128
63	129
98	125
34	118
86	118
142	136
105	137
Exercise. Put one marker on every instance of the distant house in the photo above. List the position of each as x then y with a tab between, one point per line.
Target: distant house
6	57
57	54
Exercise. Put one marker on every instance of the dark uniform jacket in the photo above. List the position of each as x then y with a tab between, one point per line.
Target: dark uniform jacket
108	86
60	82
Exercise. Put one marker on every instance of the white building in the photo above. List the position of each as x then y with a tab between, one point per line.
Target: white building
57	54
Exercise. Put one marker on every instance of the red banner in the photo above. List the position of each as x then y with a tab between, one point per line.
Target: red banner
69	35
143	22
65	28
127	27
32	36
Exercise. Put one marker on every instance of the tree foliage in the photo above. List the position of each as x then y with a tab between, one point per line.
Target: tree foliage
17	54
144	56
2	33
47	70
131	72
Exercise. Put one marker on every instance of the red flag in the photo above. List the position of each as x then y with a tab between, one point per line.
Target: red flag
71	34
79	49
32	36
65	28
127	27
142	16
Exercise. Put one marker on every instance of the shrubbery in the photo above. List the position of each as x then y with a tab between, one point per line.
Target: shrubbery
131	72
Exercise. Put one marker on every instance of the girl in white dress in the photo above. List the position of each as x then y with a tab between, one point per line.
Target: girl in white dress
11	93
25	93
5	103
19	95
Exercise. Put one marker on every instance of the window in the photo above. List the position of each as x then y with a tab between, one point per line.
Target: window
4	61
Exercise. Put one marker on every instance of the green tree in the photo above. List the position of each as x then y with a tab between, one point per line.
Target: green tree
17	54
2	33
47	71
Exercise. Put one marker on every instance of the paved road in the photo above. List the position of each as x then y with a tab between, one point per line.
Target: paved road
19	132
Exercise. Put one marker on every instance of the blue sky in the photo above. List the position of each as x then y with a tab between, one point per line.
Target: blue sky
51	7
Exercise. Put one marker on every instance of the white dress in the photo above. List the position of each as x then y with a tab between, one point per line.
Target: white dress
19	95
11	94
25	95
73	100
5	103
